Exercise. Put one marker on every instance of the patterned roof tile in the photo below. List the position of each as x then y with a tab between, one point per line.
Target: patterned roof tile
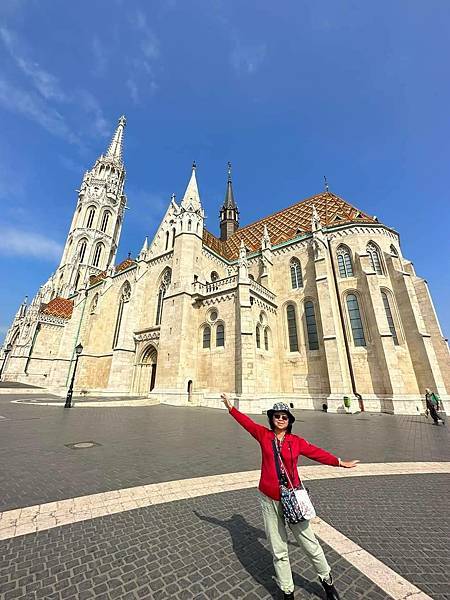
288	223
58	307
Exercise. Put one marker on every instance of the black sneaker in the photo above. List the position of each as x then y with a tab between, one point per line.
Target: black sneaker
330	590
289	596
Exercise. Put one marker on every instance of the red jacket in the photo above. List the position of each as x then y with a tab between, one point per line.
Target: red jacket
292	447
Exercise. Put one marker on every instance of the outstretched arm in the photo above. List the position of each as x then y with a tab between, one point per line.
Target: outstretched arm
256	430
324	457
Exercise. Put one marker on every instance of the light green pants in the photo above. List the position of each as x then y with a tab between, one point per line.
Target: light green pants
276	533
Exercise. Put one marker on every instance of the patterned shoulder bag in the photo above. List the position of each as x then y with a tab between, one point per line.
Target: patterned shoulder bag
295	501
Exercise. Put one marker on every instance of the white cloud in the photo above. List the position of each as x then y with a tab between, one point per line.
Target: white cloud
133	89
145	60
247	58
34	108
100	55
41	104
46	83
91	106
17	242
70	164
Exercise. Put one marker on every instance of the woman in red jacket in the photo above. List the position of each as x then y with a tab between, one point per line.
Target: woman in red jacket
290	447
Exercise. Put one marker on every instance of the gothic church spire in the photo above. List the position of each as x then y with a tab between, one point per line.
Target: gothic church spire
115	147
229	213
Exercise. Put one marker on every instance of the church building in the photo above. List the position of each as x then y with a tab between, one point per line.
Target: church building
310	305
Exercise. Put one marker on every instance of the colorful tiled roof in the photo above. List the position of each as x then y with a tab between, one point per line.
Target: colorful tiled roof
58	307
128	262
288	224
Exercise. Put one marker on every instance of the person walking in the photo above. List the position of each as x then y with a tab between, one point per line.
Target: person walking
432	402
278	440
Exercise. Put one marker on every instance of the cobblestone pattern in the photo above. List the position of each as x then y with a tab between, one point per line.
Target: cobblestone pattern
162	443
206	548
404	521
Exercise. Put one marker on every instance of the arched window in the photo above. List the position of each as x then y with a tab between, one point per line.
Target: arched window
258	336
97	255
166	278
220	335
189	225
77	280
167	240
105	220
296	274
266	338
390	320
344	262
124	298
82	250
393	250
206	336
311	326
355	320
375	259
173	237
90	217
214	276
292	328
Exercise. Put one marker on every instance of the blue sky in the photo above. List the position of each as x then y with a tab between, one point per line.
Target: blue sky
288	91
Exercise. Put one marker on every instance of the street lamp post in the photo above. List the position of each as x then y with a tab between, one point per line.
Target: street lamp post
78	351
6	351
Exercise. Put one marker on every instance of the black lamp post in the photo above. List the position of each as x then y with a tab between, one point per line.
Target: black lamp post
78	351
6	351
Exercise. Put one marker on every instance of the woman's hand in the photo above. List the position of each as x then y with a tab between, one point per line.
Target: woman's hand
226	401
349	464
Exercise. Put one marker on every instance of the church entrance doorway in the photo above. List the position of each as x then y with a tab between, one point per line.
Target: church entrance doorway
146	371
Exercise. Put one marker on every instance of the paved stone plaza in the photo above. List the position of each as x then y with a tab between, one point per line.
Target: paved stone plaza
164	505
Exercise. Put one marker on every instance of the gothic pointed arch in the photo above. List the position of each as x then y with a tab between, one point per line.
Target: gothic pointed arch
105	220
124	298
292	330
353	304
98	253
165	279
206	336
391	314
90	215
344	259
375	257
296	273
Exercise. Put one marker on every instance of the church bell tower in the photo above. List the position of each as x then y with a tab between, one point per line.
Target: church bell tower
229	213
94	234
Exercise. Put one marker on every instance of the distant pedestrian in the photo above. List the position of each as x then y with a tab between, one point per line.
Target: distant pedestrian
280	451
432	401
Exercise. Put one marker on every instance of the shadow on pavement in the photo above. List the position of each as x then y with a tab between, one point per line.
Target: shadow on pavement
253	556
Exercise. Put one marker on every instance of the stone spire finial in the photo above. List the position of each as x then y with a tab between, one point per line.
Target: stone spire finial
191	196
144	246
316	225
229	196
266	243
115	147
242	263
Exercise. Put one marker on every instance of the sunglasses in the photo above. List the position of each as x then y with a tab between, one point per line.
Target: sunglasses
281	417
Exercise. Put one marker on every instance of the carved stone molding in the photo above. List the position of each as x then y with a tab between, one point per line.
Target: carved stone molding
152	334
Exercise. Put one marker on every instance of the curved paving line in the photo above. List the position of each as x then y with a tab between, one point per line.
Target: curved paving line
33	519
